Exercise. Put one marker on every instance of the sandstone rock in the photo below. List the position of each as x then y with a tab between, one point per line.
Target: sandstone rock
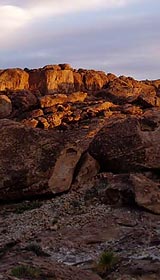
86	169
52	67
36	113
42	123
57	108
51	100
5	106
51	79
130	109
55	119
59	81
30	122
94	80
63	172
78	81
125	190
77	97
122	90
111	189
23	100
14	79
147	193
65	66
147	98
37	80
127	145
33	161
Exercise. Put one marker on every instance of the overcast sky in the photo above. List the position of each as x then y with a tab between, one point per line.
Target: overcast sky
118	36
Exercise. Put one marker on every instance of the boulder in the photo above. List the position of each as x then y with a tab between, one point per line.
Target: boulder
122	90
34	162
65	66
5	106
31	122
14	79
51	100
127	145
94	80
77	97
59	81
146	192
23	100
125	190
86	169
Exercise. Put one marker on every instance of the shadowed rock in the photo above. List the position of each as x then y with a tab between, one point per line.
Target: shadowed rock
5	106
127	145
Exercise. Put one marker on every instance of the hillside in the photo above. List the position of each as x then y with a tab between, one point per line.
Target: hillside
79	175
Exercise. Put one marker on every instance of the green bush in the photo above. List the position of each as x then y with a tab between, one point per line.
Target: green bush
106	262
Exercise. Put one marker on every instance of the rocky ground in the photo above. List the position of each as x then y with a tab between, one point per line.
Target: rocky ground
79	175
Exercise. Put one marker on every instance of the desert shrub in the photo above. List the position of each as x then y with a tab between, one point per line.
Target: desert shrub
27	206
22	271
36	248
106	262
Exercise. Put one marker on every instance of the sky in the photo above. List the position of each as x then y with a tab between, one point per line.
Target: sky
116	36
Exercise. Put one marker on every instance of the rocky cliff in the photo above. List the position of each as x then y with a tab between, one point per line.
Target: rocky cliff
85	146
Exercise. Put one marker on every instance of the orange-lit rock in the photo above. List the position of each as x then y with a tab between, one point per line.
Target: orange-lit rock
14	79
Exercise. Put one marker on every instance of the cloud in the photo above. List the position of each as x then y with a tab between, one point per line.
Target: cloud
11	18
15	14
114	36
57	7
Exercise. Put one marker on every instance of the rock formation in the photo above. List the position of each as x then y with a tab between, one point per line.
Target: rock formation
94	139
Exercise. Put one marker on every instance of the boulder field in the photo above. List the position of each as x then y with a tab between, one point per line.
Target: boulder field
85	146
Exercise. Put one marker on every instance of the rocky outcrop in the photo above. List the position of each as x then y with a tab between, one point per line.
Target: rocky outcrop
124	90
52	100
72	106
94	138
14	79
64	79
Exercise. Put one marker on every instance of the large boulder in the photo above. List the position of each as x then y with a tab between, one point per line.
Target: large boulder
23	100
125	190
146	192
128	144
50	80
34	162
51	100
127	90
94	80
13	79
59	81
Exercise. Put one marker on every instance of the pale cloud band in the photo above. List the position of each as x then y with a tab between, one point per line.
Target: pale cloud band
15	16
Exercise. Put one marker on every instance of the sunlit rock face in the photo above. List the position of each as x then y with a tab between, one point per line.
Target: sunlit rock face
14	79
64	79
